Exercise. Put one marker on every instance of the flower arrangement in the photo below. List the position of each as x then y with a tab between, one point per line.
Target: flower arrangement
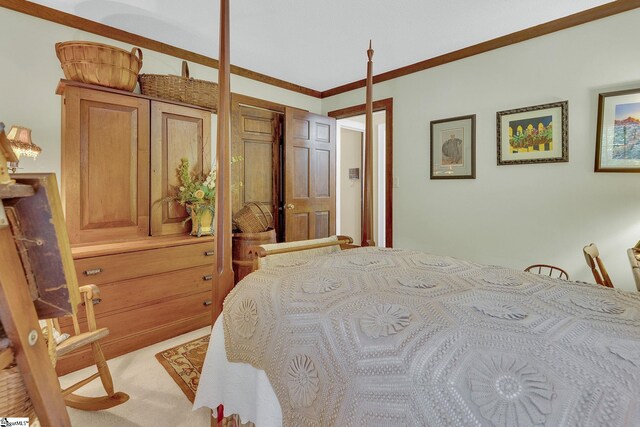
195	190
198	194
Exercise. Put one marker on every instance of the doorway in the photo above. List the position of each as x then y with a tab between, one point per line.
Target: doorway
350	142
287	165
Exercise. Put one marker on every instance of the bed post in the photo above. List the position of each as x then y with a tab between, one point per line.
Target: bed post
367	164
224	269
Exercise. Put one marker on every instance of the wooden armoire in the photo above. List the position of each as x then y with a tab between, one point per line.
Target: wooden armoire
120	153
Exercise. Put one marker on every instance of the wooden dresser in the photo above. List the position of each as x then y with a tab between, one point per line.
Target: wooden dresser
120	152
151	290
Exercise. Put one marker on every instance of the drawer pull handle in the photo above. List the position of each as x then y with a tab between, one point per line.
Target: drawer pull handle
207	277
207	303
209	253
92	272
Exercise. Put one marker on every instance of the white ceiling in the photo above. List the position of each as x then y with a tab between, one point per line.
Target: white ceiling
322	44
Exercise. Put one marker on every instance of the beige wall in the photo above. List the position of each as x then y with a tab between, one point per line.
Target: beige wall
521	214
30	71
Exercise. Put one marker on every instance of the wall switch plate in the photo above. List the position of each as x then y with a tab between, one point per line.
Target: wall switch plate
396	182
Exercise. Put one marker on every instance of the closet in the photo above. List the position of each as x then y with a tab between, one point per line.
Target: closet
120	152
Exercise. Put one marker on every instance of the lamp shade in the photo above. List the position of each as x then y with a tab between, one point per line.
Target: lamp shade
20	139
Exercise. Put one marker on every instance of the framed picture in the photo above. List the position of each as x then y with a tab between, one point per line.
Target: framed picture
536	134
618	133
453	148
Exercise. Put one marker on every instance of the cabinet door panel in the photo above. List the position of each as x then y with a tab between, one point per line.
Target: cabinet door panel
176	132
105	165
106	134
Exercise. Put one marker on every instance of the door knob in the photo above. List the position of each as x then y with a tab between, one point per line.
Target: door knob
290	206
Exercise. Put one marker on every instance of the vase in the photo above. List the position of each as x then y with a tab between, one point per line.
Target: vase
202	216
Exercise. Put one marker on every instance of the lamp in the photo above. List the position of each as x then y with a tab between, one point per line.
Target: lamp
6	155
20	140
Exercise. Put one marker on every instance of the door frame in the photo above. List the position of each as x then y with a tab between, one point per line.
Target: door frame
385	105
250	101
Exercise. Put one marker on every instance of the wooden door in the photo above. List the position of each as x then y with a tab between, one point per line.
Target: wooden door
256	138
310	175
177	132
105	165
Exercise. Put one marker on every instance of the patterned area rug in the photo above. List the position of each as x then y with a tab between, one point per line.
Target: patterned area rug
184	364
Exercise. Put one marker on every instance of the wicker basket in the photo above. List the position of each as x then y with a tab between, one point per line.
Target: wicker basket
253	218
100	64
180	88
14	400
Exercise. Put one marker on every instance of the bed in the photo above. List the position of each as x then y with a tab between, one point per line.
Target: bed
377	336
391	337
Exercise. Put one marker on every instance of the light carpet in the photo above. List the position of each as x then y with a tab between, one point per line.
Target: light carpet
156	400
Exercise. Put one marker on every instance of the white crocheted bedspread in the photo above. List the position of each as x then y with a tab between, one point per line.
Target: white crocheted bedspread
381	337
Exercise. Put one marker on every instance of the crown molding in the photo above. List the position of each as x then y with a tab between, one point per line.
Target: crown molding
69	20
579	18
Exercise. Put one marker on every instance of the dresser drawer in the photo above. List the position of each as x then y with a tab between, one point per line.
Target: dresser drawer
132	322
118	267
134	329
153	316
133	293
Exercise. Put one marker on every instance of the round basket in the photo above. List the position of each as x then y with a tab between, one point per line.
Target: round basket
100	64
253	218
14	400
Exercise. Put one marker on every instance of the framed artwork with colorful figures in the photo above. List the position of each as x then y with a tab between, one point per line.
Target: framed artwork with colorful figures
618	133
537	134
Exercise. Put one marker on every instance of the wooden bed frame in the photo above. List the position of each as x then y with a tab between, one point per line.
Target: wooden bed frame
345	242
223	220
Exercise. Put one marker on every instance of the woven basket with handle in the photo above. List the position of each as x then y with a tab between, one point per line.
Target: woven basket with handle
180	88
14	400
253	218
100	64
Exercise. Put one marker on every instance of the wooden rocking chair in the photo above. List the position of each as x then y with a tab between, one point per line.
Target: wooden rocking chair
40	236
592	256
91	296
